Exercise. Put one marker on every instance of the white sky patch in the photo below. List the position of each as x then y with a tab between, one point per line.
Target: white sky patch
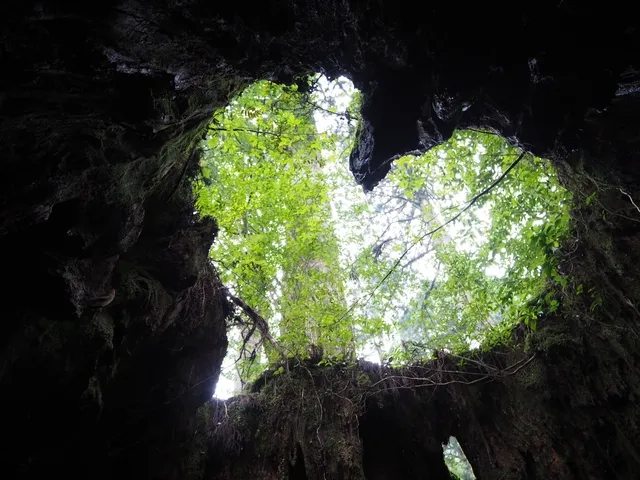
348	195
226	387
228	383
352	234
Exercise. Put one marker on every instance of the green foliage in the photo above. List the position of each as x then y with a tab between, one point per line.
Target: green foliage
332	268
493	263
263	180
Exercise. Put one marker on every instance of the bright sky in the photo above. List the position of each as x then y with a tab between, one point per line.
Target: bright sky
348	194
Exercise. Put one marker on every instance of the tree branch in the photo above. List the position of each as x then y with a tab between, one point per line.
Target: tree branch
415	259
262	132
259	322
423	381
250	130
345	115
470	203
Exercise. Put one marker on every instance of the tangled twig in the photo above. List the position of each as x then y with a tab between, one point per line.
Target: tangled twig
430	382
259	322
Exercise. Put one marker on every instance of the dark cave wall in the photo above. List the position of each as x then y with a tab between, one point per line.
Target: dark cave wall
326	422
564	406
100	107
94	149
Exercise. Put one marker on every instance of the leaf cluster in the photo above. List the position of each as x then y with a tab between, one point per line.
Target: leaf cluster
331	268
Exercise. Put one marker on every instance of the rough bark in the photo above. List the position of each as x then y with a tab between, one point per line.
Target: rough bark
100	108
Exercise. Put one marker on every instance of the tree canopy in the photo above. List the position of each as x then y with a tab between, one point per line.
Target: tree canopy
451	251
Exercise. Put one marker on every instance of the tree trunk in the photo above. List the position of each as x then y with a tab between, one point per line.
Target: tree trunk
101	106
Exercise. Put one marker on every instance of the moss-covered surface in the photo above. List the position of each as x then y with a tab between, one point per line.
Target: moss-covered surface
97	149
100	105
561	404
326	422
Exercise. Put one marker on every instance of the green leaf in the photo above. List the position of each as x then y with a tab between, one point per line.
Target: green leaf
327	266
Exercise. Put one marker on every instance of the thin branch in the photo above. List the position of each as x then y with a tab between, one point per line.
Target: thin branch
431	232
245	340
403	199
487	132
428	382
415	259
425	297
258	321
408	219
263	132
250	130
345	115
630	198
